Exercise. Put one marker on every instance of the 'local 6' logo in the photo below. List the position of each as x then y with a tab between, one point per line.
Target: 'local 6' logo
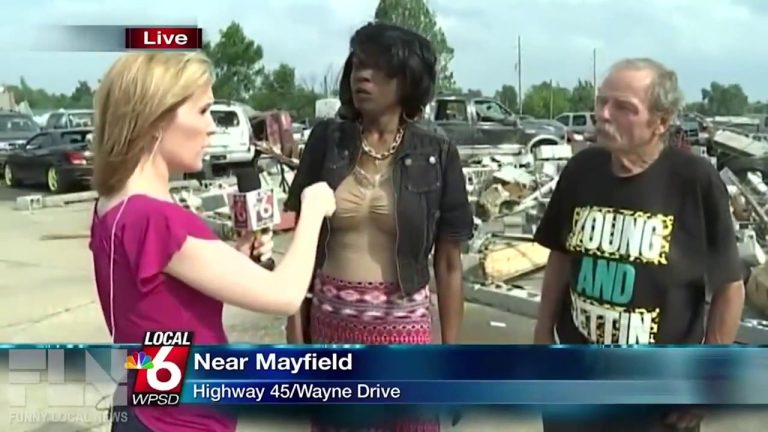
265	211
159	368
162	374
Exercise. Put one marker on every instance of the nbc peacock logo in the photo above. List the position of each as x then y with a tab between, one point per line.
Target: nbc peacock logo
139	360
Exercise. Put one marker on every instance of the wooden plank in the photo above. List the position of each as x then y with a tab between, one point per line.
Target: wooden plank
505	262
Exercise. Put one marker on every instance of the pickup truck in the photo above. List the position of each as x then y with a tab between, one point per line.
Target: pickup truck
484	126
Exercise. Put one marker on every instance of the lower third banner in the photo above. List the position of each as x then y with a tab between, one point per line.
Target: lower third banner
465	375
174	371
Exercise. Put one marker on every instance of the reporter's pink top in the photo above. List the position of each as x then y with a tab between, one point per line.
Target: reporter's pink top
148	232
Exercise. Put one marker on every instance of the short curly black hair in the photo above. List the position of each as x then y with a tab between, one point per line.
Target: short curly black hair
400	53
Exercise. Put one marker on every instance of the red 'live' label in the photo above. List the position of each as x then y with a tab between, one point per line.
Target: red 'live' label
164	38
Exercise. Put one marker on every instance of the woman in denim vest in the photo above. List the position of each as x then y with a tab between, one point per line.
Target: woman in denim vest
400	194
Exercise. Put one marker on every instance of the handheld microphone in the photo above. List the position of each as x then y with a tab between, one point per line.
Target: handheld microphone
254	209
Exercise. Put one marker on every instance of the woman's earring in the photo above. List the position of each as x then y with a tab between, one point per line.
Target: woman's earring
414	118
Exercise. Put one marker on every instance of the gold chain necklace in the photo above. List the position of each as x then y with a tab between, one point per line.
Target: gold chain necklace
385	155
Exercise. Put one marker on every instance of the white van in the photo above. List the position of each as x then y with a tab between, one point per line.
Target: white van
231	143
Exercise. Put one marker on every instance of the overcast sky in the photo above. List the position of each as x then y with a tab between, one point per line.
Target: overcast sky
704	40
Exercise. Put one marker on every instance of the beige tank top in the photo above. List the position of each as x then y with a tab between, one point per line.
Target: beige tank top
361	245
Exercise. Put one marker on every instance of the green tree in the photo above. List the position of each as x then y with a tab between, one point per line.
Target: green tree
281	82
237	63
508	96
545	100
82	97
758	108
697	107
278	90
725	99
583	96
36	98
474	93
41	99
417	16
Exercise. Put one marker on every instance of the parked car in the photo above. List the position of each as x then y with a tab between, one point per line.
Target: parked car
481	125
69	119
15	130
581	123
548	127
59	159
231	143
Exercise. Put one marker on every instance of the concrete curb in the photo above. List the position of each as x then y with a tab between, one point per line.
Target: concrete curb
520	301
39	201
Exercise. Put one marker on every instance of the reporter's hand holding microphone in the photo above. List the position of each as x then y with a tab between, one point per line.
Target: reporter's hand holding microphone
256	245
317	198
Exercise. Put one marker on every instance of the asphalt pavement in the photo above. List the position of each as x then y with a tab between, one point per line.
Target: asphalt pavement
10	194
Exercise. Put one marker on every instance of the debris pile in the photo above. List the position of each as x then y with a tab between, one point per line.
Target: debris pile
509	194
509	186
510	197
211	201
749	202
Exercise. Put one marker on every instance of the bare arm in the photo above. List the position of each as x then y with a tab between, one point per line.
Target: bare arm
552	233
218	270
725	314
724	267
553	290
450	298
454	227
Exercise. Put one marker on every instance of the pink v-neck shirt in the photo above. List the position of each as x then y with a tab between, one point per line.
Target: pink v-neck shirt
147	233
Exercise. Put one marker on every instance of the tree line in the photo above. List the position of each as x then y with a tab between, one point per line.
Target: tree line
242	76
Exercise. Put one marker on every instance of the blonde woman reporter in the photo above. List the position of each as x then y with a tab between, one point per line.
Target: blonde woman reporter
157	265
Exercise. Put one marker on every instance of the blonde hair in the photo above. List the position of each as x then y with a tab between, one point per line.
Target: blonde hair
139	93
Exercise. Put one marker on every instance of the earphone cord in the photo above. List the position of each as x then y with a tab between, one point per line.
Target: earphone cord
99	403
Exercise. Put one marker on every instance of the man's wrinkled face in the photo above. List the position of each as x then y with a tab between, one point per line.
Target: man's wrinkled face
624	120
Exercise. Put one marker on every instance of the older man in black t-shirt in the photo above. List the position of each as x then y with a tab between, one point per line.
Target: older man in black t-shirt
637	231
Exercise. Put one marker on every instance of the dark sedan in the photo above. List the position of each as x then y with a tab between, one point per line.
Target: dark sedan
60	159
15	130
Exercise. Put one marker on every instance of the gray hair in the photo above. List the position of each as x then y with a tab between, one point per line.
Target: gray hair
665	94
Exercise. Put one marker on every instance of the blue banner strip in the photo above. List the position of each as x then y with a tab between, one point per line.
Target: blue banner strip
551	392
584	375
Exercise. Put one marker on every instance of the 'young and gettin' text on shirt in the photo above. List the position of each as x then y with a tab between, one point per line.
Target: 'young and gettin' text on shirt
644	248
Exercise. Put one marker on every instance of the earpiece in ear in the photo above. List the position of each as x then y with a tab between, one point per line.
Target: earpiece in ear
158	136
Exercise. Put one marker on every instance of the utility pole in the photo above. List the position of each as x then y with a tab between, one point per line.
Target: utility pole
594	73
519	75
551	100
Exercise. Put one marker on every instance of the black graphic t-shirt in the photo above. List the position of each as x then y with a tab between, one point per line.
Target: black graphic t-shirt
644	248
